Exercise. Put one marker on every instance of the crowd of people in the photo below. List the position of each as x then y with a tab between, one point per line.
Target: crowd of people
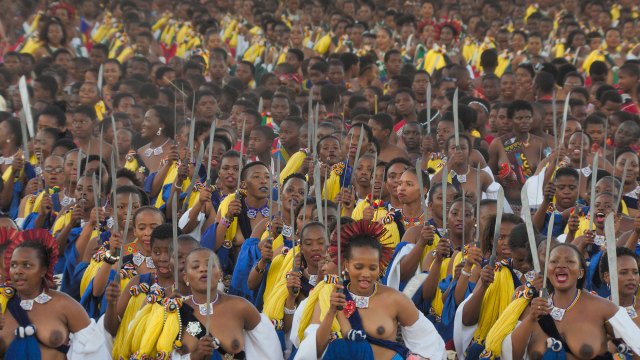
316	179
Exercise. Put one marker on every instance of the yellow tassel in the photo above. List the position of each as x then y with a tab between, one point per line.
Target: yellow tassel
133	309
331	187
169	331
161	22
223	209
322	46
278	264
496	299
230	29
168	179
151	331
89	274
293	165
321	294
505	325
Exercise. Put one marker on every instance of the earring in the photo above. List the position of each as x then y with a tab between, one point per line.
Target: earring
187	283
159	132
345	274
8	141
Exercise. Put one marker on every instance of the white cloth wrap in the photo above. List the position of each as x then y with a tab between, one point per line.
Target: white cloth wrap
423	339
393	279
462	335
420	338
89	343
624	328
260	343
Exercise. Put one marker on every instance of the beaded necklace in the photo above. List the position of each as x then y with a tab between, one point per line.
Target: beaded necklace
558	313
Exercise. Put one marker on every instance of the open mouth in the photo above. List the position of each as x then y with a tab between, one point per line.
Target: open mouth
600	217
562	277
263	189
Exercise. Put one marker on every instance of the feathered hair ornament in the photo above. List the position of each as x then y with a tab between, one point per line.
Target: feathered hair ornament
29	238
361	232
7	237
454	25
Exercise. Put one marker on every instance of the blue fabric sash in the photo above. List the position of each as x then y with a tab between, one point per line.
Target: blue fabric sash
70	282
247	258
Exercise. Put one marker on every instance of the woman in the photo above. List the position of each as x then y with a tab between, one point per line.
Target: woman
492	294
51	325
52	37
294	282
112	74
628	279
238	330
123	321
15	169
370	313
462	173
434	204
592	243
100	260
574	49
37	209
157	128
542	333
630	186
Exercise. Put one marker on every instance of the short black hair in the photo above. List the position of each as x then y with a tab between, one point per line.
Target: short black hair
56	112
567	171
246	168
163	232
518	105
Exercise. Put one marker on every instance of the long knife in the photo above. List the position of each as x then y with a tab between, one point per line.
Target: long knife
610	236
318	191
429	107
209	278
423	206
244	127
445	182
355	162
96	199
115	137
195	177
496	229
624	175
174	224
127	221
592	201
555	119
545	290
212	133
26	107
565	115
456	121
526	215
101	80
339	307
114	193
478	201
295	290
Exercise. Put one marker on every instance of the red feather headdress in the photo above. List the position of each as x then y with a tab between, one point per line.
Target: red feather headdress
362	228
7	237
40	236
452	24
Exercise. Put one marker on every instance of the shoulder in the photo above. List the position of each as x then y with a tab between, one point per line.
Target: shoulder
599	305
412	234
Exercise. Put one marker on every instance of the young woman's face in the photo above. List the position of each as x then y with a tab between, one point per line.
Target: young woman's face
312	244
196	271
144	224
26	270
363	266
564	268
